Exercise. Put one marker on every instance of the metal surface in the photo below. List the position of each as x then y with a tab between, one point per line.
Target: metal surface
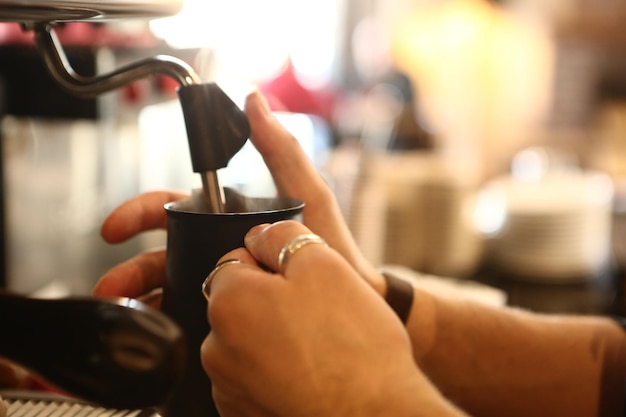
41	404
61	70
213	192
81	10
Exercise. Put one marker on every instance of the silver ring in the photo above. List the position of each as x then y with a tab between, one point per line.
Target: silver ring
206	285
294	245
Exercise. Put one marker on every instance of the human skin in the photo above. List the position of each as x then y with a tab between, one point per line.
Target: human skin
488	361
313	340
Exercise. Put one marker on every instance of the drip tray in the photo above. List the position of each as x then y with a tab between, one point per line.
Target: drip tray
35	404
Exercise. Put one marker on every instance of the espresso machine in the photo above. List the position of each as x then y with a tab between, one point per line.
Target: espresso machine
120	354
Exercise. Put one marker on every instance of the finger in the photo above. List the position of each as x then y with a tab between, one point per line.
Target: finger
13	376
266	242
241	254
235	256
141	213
296	177
135	277
231	402
230	397
217	362
153	298
234	289
293	173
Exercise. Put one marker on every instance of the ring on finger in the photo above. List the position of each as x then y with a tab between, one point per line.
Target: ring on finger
294	245
206	285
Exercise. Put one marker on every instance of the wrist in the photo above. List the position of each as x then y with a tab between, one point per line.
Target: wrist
416	309
398	295
421	324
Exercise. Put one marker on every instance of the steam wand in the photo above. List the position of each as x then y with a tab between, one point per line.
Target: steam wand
216	127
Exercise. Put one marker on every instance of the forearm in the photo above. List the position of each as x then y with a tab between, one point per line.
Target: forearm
497	362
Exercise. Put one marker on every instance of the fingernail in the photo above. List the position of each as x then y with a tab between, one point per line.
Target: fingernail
264	105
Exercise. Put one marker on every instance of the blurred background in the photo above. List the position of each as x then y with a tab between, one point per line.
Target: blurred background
480	142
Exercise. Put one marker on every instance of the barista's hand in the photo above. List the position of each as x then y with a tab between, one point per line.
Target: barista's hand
13	376
315	340
294	176
143	275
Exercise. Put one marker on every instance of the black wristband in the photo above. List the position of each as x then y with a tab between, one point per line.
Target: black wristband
399	296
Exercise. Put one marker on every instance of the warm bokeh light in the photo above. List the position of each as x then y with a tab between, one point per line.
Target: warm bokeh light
483	75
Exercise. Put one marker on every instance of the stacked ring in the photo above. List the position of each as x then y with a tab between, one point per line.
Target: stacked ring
206	285
294	245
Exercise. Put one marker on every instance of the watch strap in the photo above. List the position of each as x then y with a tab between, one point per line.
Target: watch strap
399	295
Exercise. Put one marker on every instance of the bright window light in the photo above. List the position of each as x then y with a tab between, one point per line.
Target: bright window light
253	39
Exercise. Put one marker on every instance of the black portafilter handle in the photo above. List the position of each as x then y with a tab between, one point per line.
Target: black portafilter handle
117	353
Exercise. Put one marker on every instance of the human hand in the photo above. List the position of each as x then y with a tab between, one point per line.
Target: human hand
15	377
143	275
313	340
294	176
